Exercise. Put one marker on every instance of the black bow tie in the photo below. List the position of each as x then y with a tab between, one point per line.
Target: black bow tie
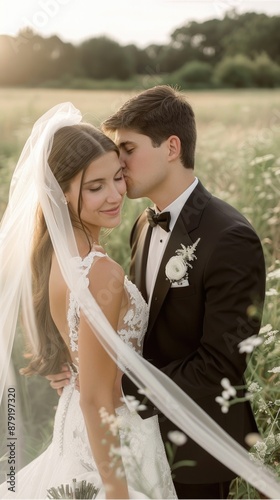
162	219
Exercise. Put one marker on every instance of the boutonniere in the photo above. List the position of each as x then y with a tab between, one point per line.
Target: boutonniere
177	267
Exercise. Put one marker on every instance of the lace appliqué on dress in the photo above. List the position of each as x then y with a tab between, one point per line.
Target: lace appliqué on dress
145	444
132	327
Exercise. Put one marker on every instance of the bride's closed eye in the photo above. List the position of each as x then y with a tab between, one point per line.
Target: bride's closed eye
120	177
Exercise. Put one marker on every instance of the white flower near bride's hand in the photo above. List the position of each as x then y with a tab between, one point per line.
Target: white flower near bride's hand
176	268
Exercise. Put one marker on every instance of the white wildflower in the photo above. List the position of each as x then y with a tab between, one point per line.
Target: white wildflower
177	437
102	412
141	407
276	369
133	404
266	328
270	336
262	159
249	396
271	292
115	451
225	395
144	391
272	332
260	448
115	426
120	473
229	389
262	406
273	274
249	344
113	421
270	440
254	458
224	404
269	340
228	392
125	451
119	451
106	418
277	438
225	383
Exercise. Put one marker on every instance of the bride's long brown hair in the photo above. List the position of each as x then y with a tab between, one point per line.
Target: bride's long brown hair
73	149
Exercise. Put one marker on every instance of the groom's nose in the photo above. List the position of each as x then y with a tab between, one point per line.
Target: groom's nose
122	160
123	165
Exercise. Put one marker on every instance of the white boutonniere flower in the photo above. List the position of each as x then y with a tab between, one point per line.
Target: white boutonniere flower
178	266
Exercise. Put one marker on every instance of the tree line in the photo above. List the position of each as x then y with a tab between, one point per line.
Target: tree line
237	51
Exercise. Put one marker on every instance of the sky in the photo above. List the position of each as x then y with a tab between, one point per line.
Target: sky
141	22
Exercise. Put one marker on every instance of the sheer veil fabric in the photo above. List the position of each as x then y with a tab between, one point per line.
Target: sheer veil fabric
34	182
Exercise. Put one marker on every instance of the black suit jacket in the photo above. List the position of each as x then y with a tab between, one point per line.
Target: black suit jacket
194	331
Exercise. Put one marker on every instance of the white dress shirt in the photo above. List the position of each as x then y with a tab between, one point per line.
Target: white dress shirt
160	237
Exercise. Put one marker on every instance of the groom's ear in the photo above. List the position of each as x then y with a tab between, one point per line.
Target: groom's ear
174	147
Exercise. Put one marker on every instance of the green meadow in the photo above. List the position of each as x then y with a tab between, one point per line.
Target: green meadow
237	159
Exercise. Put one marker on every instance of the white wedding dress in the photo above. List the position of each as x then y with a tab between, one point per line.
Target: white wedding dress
69	455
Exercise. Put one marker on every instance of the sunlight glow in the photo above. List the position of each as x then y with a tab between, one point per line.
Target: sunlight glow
140	22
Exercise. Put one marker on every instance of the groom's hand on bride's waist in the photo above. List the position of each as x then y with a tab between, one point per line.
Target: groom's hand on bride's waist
59	380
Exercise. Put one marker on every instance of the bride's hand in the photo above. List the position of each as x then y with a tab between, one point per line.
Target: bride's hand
59	380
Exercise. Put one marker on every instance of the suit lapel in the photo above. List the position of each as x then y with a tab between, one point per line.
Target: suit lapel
188	220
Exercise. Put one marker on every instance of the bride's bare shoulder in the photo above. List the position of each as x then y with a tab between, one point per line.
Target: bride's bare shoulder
105	267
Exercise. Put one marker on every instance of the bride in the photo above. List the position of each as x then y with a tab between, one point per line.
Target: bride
68	184
90	425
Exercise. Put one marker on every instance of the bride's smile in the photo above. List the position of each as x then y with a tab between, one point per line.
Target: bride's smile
96	195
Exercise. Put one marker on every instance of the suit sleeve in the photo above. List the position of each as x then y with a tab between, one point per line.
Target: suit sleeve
234	289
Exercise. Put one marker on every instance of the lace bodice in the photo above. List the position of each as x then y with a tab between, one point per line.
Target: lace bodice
132	324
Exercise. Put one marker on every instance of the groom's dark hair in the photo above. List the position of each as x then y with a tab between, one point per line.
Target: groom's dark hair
158	112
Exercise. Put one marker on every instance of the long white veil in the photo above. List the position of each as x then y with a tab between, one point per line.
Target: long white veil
34	182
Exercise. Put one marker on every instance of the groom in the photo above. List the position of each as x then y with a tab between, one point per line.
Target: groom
202	307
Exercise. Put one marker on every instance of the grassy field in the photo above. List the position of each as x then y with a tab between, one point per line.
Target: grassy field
238	159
